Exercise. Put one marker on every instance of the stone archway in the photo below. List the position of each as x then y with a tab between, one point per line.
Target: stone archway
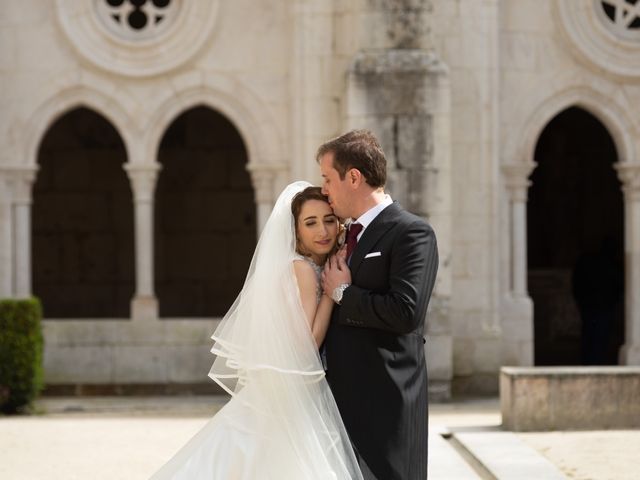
205	217
575	243
265	150
268	163
517	307
82	225
60	97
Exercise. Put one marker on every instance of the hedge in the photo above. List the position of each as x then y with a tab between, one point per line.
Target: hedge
21	345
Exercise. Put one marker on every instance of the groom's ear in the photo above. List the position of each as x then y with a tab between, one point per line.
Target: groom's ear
355	177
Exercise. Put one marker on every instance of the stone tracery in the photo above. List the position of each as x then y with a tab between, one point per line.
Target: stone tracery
136	18
623	14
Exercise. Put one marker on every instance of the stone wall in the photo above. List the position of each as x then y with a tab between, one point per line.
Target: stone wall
569	398
283	72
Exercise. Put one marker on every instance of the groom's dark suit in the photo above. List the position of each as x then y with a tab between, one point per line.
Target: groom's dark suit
374	347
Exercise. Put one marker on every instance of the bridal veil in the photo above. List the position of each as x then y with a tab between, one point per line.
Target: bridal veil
267	359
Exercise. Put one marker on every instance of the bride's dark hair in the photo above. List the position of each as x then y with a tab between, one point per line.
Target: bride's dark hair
310	193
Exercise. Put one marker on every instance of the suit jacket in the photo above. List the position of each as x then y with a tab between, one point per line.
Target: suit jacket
375	348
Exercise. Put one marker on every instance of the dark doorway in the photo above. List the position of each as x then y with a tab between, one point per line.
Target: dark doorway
82	251
205	228
575	243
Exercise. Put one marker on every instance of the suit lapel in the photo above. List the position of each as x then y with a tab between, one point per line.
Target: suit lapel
373	233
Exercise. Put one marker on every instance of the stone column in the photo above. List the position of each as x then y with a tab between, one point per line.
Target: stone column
263	179
314	110
517	323
629	174
144	305
517	183
6	235
21	181
399	88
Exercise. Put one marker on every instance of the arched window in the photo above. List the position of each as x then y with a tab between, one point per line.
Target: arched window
82	249
205	216
575	243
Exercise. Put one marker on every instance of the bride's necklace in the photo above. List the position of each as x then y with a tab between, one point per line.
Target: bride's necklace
317	268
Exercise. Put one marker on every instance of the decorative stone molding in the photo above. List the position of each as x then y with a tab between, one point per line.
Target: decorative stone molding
248	114
405	60
629	175
517	180
62	95
139	20
262	179
621	17
265	180
265	183
549	99
119	47
245	110
20	179
143	180
608	44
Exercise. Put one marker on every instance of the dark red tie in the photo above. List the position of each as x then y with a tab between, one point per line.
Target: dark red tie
352	238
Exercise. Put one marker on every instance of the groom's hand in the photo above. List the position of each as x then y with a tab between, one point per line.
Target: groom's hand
336	272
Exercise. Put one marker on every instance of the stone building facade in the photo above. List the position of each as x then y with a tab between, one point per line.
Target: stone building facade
144	143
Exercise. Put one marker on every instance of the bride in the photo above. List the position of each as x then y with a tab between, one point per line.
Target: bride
282	421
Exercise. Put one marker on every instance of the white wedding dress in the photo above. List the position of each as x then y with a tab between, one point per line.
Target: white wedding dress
282	422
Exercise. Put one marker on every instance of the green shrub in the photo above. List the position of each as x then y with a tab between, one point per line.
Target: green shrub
21	345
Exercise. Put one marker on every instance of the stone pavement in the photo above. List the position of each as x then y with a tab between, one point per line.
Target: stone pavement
129	437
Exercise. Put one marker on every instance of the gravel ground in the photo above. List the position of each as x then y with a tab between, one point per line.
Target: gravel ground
129	438
70	448
593	455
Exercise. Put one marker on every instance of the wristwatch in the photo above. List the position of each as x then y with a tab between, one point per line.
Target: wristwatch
338	291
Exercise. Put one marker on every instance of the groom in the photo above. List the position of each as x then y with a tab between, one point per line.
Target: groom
374	347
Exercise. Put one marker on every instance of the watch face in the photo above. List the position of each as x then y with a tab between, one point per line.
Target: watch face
338	292
337	295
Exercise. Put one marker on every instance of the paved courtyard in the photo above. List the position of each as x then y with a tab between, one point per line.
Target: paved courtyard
128	438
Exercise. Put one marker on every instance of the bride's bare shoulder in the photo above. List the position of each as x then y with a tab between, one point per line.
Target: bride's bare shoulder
305	274
302	267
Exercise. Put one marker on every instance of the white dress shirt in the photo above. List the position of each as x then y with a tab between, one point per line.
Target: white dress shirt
369	216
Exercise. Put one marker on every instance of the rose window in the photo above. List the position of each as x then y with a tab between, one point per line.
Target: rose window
136	19
606	33
621	16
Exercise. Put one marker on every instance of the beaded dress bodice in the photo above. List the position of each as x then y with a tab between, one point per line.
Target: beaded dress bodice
318	271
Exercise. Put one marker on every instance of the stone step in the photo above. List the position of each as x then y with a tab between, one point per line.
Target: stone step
445	463
502	455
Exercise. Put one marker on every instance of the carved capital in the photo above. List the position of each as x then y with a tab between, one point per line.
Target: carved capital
629	175
19	181
143	180
517	180
263	178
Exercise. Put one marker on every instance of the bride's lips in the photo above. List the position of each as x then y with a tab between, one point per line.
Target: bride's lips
324	242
